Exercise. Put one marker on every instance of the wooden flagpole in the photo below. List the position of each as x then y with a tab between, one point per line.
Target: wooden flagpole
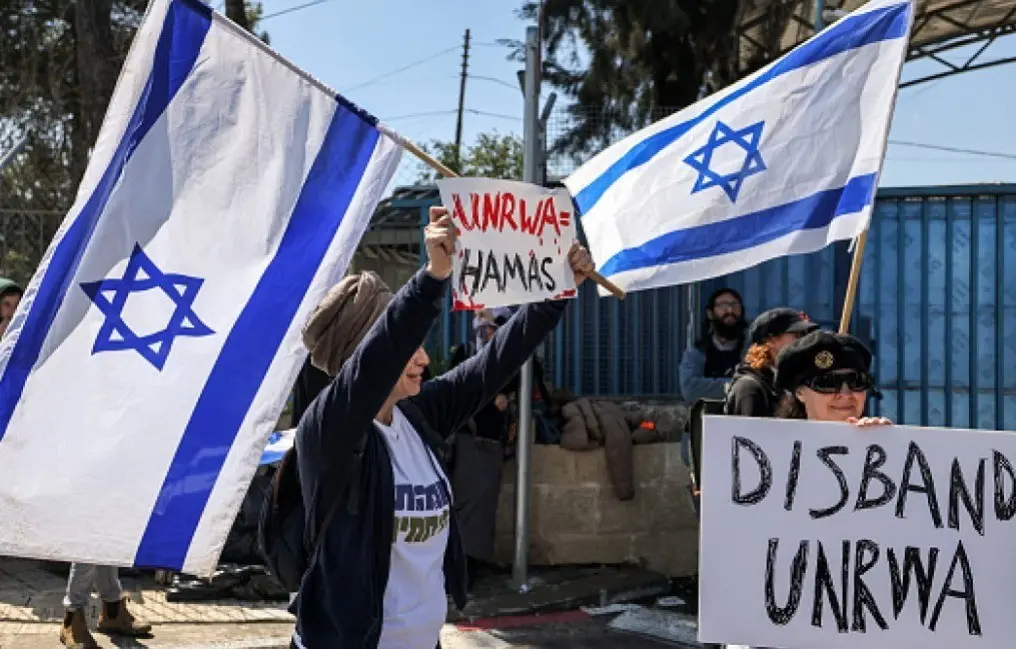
436	164
853	281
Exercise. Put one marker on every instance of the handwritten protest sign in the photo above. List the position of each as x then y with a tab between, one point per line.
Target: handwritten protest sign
513	242
823	535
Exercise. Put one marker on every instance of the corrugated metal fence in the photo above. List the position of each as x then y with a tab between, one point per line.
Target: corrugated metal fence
937	301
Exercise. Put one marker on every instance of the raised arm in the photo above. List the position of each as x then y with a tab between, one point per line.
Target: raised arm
333	427
449	400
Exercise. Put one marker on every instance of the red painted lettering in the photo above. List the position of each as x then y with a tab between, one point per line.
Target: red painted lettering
474	202
491	207
459	212
507	210
550	217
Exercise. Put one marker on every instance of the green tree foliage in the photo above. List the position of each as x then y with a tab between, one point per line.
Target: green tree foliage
59	62
623	62
492	155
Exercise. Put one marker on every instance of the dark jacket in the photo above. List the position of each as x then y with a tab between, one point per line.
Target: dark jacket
751	393
341	597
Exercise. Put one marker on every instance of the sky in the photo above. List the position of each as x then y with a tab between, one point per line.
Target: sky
401	60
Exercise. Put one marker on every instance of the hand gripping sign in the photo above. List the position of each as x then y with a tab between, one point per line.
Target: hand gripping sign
513	242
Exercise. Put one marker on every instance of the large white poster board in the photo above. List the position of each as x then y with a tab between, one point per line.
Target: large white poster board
513	243
824	536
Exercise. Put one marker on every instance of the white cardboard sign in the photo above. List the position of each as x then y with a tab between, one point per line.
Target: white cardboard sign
513	242
821	535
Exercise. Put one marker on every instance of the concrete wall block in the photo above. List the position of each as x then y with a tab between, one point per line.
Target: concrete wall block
590	467
631	516
573	510
590	548
551	465
649	463
672	553
673	509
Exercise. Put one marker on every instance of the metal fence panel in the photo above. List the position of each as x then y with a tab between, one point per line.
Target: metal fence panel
937	301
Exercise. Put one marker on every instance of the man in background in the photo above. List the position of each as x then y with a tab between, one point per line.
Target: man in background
707	366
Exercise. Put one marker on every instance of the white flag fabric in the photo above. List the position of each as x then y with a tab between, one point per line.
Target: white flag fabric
160	337
785	161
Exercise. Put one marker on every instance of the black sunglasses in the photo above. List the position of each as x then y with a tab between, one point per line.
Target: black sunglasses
833	383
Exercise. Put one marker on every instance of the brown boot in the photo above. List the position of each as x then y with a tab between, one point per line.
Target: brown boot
74	632
115	619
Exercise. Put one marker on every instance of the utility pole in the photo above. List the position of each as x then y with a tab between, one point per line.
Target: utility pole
531	156
462	105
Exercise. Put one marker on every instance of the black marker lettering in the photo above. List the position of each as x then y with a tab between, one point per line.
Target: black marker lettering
1005	505
915	454
958	490
758	494
863	598
824	583
967	594
901	579
824	454
873	461
777	614
792	476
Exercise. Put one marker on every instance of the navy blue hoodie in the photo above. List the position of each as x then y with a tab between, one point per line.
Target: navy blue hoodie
340	604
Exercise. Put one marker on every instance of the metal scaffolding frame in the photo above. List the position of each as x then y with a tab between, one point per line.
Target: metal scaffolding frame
767	29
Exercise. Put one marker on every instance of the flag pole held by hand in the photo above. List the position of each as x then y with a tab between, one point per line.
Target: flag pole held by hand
442	169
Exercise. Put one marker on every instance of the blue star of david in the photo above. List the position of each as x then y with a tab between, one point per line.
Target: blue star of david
141	274
747	138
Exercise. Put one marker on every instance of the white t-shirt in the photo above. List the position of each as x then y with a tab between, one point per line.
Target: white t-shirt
415	605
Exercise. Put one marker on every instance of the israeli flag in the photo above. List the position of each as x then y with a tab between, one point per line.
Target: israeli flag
159	339
785	161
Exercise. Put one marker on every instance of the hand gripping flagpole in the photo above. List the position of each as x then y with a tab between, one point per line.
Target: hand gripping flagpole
442	169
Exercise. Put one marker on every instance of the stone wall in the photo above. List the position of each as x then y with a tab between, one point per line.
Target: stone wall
575	518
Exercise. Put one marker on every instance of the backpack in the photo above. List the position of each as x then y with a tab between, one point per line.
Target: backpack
282	524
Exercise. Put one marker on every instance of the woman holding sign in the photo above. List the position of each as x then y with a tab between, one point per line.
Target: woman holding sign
376	494
826	377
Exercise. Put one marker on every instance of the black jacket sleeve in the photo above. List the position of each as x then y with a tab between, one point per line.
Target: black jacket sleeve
451	399
334	426
747	398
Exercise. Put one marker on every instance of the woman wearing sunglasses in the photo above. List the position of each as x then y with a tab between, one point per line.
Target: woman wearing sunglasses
826	377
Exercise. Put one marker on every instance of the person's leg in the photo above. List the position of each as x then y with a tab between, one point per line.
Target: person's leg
79	586
114	617
107	582
74	632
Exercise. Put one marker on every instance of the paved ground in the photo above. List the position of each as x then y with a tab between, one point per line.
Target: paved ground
31	608
568	631
30	594
260	635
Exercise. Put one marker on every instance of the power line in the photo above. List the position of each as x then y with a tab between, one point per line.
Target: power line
486	114
292	9
514	87
935	147
403	68
424	114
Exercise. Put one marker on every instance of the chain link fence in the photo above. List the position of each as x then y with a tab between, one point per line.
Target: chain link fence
575	134
34	196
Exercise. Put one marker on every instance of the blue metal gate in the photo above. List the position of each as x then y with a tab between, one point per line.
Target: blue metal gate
937	300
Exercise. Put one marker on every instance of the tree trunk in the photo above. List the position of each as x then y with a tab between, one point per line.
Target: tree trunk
97	70
236	10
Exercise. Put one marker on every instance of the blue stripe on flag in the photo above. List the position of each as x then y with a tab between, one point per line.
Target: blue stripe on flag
746	231
850	33
254	340
179	43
